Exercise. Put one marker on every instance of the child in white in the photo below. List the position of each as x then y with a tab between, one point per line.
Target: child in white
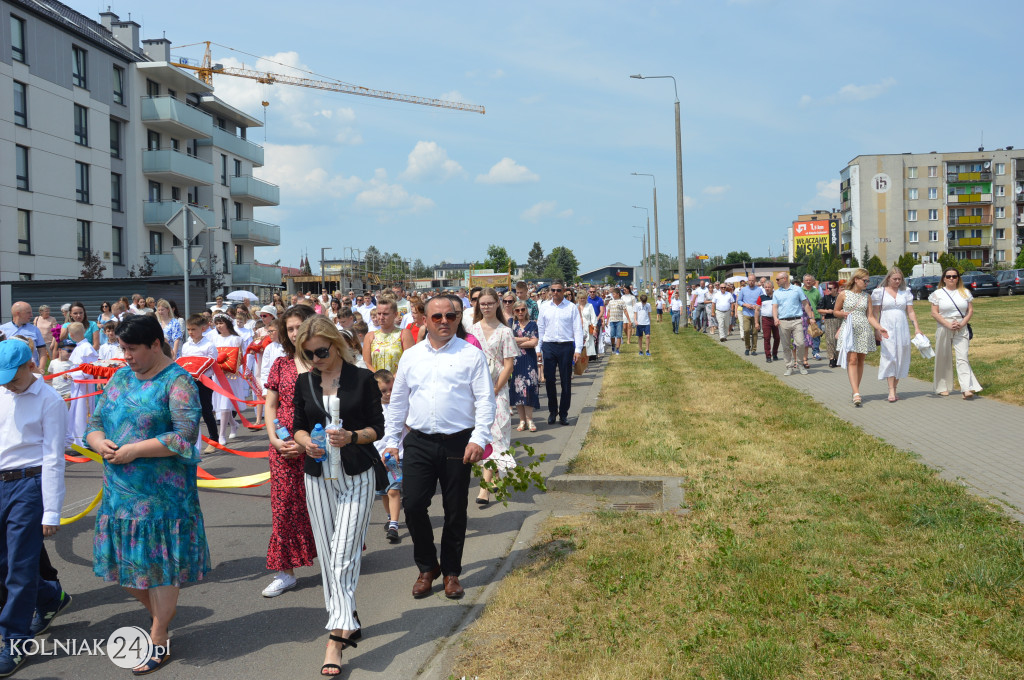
111	349
393	499
79	409
227	337
62	383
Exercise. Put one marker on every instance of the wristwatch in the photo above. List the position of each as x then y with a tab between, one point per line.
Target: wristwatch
355	437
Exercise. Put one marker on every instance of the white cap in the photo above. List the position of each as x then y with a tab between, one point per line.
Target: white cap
269	309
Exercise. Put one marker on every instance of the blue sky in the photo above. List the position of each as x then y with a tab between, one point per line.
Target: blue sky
776	98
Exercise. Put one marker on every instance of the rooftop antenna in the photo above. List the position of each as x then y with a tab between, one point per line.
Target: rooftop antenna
981	147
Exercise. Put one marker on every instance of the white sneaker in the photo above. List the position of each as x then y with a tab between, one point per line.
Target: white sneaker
803	371
232	435
788	371
281	583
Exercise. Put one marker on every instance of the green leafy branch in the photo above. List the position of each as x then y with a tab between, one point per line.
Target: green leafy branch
520	478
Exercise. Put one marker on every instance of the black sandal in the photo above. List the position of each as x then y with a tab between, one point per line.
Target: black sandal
345	644
152	664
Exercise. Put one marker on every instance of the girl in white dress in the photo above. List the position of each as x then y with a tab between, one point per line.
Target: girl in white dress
891	303
952	309
227	337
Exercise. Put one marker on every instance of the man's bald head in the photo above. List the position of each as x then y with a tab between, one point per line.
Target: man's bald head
21	313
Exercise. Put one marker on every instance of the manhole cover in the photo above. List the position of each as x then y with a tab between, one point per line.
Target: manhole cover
633	507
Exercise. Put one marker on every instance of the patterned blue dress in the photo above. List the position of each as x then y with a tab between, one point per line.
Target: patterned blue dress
149	526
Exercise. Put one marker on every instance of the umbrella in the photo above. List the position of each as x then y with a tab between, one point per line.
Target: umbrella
240	295
735	279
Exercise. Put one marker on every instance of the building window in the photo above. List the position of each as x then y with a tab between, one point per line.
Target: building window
175	193
156	243
1000	168
175	144
933	192
912	236
933	236
911	216
224	213
24	277
912	194
152	140
173	94
154	191
238	210
81	182
238	254
20	104
917	256
933	171
238	168
223	169
1000	212
21	167
117	245
24	232
1000	256
933	214
81	125
912	173
118	85
17	39
115	138
224	257
84	239
115	192
1000	190
79	67
152	88
1000	233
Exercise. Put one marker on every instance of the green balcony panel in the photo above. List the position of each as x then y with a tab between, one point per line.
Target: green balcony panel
158	212
176	118
168	165
255	233
243	148
255	191
255	274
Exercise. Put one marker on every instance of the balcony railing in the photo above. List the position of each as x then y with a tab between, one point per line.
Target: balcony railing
255	233
981	176
158	212
976	242
255	274
173	166
167	114
973	220
256	191
969	198
222	139
165	264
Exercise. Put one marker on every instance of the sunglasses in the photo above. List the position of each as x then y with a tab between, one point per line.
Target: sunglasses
319	353
508	302
555	290
447	316
952	276
521	310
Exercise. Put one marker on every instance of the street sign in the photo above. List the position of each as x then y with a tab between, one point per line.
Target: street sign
702	257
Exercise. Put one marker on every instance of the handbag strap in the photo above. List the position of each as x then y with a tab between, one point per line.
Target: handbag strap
954	303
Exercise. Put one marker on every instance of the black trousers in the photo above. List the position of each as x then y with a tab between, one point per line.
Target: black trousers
558	354
427	462
206	402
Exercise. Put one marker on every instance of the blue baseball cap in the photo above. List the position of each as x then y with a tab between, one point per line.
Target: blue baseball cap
13	355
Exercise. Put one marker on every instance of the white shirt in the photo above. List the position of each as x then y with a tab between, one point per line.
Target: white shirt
83	353
379	444
406	320
676	304
723	301
643	314
442	391
204	348
61	383
560	323
270	355
32	433
111	350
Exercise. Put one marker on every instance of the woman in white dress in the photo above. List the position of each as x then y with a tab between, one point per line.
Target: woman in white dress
589	319
891	303
952	309
498	344
228	337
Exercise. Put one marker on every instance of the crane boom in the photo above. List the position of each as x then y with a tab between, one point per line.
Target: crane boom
207	69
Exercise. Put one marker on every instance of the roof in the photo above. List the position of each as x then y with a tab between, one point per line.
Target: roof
754	264
616	265
454	265
92	31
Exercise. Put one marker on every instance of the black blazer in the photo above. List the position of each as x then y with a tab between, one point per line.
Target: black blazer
360	408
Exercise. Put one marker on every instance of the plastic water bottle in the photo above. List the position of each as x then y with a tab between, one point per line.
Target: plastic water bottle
281	430
394	471
319	437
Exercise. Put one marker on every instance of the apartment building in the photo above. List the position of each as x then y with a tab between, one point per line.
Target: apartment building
107	147
970	204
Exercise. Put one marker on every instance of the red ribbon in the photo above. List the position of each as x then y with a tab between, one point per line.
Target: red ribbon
244	454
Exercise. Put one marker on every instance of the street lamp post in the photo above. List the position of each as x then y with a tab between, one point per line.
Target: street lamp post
656	278
323	277
643	254
679	186
657	245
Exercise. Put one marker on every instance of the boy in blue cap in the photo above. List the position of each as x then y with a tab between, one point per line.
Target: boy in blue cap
31	495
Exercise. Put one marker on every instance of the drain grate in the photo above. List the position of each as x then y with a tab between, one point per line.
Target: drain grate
633	507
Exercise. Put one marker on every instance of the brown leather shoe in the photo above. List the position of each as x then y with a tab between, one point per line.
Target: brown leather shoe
425	582
452	589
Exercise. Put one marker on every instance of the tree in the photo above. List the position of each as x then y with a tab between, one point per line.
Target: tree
142	270
1019	262
420	270
669	265
498	259
905	263
565	261
215	272
854	262
875	266
947	260
92	266
867	256
552	270
535	261
737	256
830	271
373	260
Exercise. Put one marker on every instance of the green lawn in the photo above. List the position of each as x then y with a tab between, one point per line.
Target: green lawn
811	549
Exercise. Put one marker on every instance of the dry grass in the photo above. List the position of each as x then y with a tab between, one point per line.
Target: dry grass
811	549
997	350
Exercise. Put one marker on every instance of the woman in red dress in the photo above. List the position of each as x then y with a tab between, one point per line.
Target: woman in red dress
291	537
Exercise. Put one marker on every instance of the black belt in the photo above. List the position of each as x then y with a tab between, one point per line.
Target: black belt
788	318
558	342
440	437
12	475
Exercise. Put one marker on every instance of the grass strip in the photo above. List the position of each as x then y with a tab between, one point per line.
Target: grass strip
811	548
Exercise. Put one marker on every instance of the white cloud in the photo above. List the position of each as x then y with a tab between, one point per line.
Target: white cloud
539	210
453	96
507	171
852	93
689	201
428	161
565	214
382	195
716	190
828	191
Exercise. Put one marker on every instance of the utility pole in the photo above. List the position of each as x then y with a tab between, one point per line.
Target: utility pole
323	277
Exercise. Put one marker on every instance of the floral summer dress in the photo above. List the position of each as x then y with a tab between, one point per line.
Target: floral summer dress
385	350
291	537
149	526
856	334
497	348
524	381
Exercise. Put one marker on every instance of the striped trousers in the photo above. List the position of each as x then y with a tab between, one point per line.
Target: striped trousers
339	513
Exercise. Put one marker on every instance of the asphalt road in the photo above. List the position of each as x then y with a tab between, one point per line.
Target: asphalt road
225	629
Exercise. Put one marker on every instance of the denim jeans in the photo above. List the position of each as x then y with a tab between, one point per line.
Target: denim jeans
675	322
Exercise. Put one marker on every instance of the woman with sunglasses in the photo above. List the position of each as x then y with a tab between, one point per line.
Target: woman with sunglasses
952	309
339	508
507	302
524	392
106	314
891	303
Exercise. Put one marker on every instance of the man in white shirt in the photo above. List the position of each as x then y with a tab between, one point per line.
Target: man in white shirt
675	309
31	445
722	301
560	333
443	392
629	312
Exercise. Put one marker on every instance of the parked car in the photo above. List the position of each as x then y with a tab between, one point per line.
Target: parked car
1011	281
874	282
981	284
922	286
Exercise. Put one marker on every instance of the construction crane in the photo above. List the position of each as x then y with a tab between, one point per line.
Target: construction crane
207	68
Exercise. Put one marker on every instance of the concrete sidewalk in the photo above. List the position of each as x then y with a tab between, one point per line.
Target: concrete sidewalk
976	443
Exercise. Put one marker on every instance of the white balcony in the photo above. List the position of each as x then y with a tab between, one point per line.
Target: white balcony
158	212
174	167
175	118
253	232
255	274
222	139
255	191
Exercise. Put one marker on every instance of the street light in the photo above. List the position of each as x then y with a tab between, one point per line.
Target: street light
641	256
650	278
657	244
679	185
643	252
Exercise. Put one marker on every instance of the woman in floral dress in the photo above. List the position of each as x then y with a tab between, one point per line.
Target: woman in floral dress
291	537
524	387
855	336
498	343
150	536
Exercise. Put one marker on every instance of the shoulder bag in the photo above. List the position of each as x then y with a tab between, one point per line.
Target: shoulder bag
970	331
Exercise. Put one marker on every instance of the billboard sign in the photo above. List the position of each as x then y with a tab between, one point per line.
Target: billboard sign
810	237
833	236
